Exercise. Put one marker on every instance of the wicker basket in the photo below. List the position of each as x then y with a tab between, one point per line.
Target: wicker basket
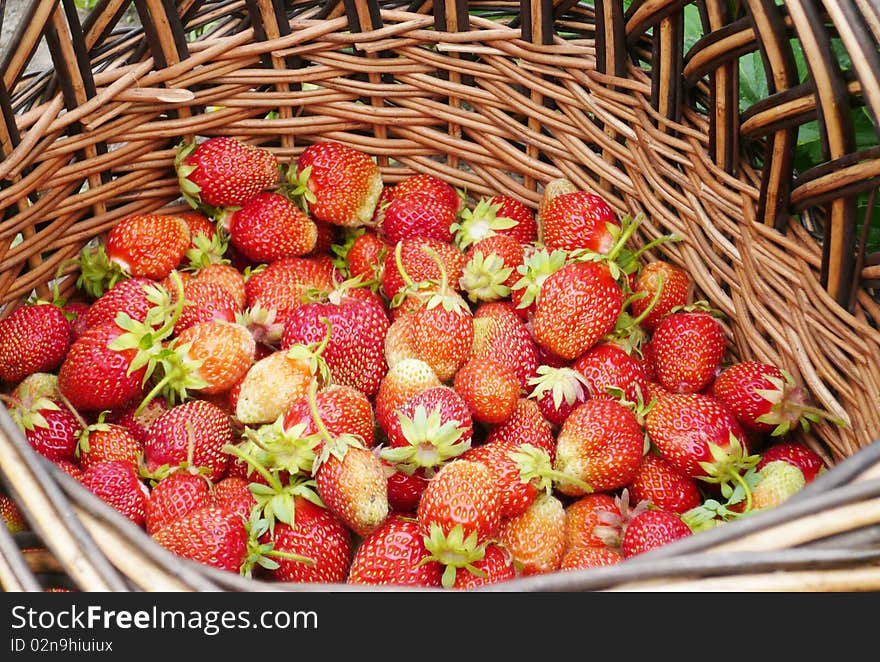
491	96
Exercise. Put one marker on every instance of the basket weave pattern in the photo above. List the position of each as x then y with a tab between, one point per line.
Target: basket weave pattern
491	97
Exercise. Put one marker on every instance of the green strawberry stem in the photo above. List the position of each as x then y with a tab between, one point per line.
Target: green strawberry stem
271	478
651	304
67	403
398	260
747	490
629	227
316	415
652	244
290	556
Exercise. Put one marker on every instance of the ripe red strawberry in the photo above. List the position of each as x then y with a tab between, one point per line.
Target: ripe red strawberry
558	391
366	258
405	379
49	426
118	484
404	490
659	482
14	521
765	399
34	338
611	372
316	535
75	312
70	468
441	331
500	333
342	409
588	518
495	566
136	421
397	346
205	301
526	425
132	296
344	183
589	557
417	214
687	349
538	265
269	227
431	185
227	277
699	436
148	245
490	269
94	376
419	265
351	482
355	349
577	306
224	172
498	215
233	493
579	220
427	430
536	538
665	282
194	432
553	189
384	198
652	529
490	388
106	442
393	555
210	535
601	443
796	453
173	497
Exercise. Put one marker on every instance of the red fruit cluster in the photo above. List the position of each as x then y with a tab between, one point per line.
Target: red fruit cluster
313	375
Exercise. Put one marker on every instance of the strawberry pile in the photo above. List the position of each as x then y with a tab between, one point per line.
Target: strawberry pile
315	376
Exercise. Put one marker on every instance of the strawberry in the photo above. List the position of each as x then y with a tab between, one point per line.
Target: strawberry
490	388
394	555
342	410
269	227
118	484
12	517
490	269
666	283
700	437
133	296
651	529
227	277
796	453
271	385
315	535
397	345
432	186
148	245
49	426
351	482
137	420
779	480
366	258
553	189
609	371
588	518
659	482
220	353
459	512
410	262
75	312
194	432
427	430
355	349
70	468
526	425
495	566
209	535
538	265
106	442
558	391
416	214
173	497
384	198
536	538
233	493
404	490
325	239
582	558
577	306
601	443
34	338
405	379
205	301
224	172
341	184
765	399
498	215
578	220
500	333
687	348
